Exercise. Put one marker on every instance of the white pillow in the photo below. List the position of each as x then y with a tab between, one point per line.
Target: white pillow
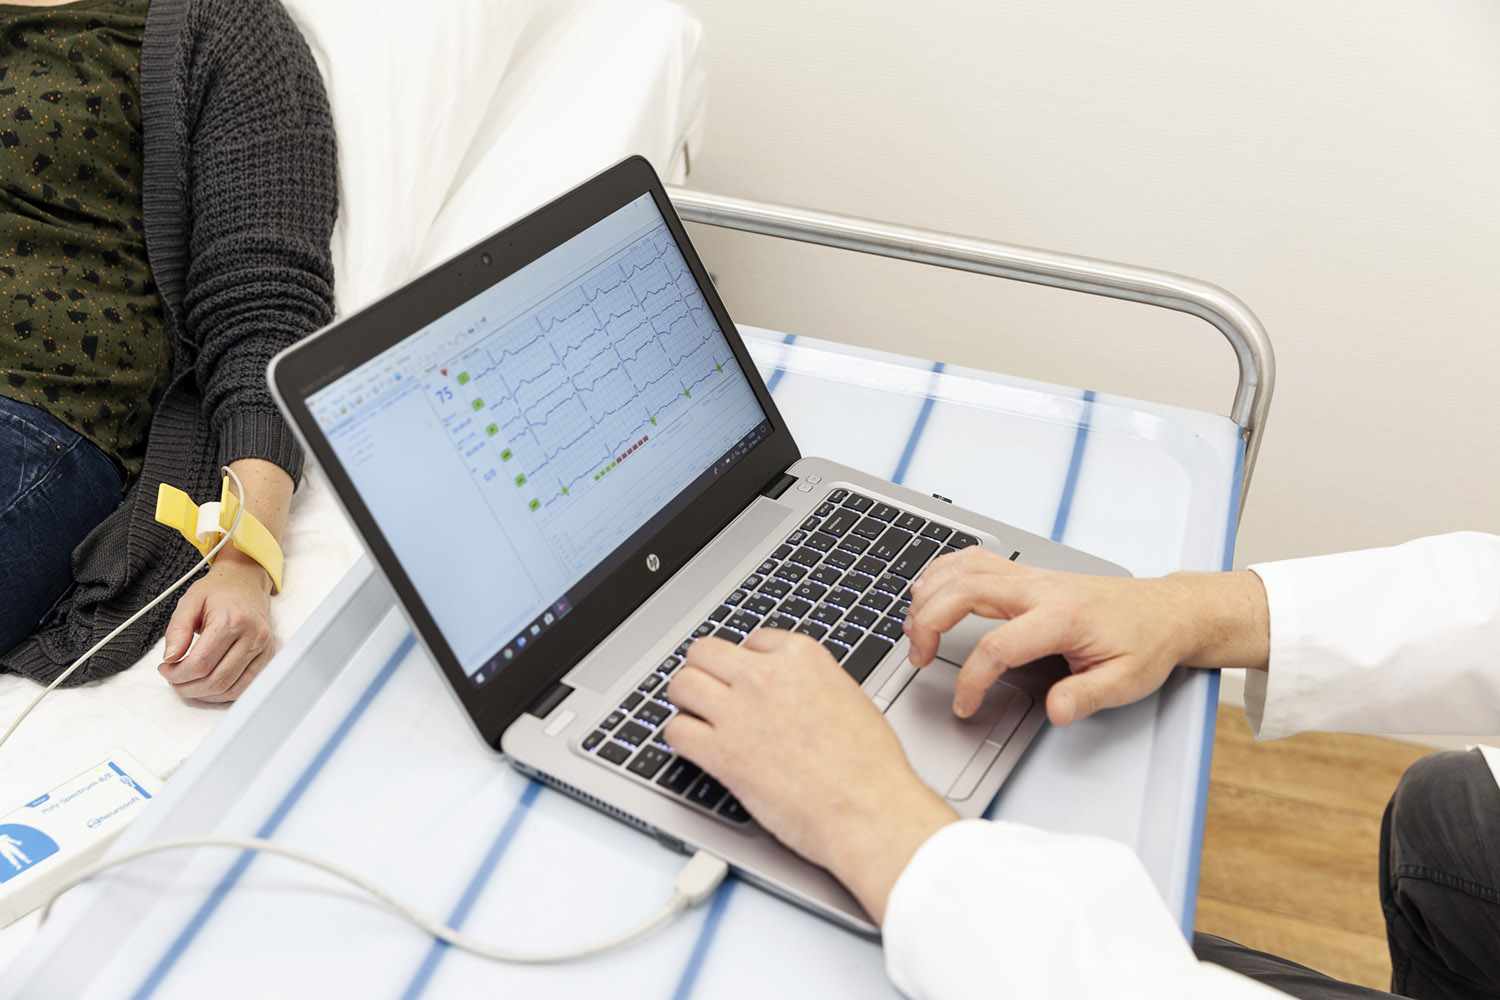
409	85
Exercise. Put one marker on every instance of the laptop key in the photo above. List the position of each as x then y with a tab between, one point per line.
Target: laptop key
962	541
632	699
707	792
869	528
593	739
826	575
812	628
821	541
792	572
615	753
648	762
824	509
885	512
766	568
877	600
890	628
782	551
910	522
806	556
633	733
840	521
890	544
865	656
653	714
810	591
838	650
827	614
839	559
862	617
911	561
707	628
776	588
843	597
900	610
615	718
854	543
936	532
751	582
651	683
729	635
856	501
796	607
783	622
812	523
889	584
838	496
733	811
760	604
679	775
744	621
847	634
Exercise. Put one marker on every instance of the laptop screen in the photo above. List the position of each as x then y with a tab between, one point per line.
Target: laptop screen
508	449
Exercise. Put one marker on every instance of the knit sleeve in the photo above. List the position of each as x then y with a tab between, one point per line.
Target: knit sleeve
262	184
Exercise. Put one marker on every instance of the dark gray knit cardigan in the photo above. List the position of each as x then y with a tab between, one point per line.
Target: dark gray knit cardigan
239	196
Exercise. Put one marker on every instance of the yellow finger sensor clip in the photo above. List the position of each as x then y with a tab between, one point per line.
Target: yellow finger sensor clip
205	526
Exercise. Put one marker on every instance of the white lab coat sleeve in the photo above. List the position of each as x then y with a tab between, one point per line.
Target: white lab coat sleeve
1000	910
1396	640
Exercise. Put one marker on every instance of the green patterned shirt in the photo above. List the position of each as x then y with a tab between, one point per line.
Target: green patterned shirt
81	330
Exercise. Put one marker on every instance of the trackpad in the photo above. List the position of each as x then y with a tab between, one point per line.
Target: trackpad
938	743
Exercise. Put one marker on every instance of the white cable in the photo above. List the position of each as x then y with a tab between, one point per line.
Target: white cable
695	882
239	512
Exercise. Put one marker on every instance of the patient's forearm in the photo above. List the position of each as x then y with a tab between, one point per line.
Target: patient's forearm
268	495
1225	619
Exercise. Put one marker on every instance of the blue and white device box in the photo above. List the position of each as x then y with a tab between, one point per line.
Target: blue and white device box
52	837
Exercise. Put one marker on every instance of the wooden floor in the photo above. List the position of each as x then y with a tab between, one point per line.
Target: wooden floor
1290	846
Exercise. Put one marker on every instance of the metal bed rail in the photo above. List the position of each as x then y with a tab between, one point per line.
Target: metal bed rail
1225	312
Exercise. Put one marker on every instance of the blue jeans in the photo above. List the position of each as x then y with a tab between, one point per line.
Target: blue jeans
55	486
1439	888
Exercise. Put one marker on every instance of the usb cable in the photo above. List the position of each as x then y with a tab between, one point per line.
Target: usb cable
695	882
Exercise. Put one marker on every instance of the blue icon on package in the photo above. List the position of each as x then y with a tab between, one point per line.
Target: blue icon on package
21	847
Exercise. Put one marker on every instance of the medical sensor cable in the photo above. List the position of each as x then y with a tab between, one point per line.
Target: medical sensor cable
695	882
206	560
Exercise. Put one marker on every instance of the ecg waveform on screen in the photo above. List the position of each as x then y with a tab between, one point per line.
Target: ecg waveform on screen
595	371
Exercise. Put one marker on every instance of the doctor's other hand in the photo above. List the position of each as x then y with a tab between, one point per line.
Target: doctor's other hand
1121	637
781	724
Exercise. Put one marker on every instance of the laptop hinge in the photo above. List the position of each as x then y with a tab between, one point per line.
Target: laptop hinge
779	485
552	695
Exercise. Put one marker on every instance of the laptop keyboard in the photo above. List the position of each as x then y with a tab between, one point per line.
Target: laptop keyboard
843	577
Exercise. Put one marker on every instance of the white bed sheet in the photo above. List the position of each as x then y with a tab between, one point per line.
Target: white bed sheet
592	81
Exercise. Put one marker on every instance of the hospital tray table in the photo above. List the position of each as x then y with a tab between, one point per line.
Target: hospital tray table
351	745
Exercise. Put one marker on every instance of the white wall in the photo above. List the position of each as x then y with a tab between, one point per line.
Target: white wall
1335	164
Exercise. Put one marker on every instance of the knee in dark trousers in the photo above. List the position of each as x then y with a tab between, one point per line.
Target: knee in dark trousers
1440	879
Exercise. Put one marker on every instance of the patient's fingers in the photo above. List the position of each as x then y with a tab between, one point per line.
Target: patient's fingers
715	657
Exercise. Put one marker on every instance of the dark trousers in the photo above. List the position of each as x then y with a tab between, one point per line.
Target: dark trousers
1439	888
55	486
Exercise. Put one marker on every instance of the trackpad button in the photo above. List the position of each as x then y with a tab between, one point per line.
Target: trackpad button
938	743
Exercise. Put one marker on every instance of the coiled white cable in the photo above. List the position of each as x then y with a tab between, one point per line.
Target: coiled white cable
695	882
206	560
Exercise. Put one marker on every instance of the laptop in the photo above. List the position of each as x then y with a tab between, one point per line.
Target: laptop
559	452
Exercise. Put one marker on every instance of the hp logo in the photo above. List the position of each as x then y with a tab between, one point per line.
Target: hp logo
653	563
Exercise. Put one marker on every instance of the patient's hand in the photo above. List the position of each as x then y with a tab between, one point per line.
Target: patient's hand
808	754
1121	637
229	610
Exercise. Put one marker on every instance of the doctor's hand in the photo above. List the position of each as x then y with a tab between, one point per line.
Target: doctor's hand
1121	637
808	754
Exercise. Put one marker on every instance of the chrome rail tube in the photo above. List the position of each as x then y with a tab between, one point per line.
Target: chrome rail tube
1226	313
